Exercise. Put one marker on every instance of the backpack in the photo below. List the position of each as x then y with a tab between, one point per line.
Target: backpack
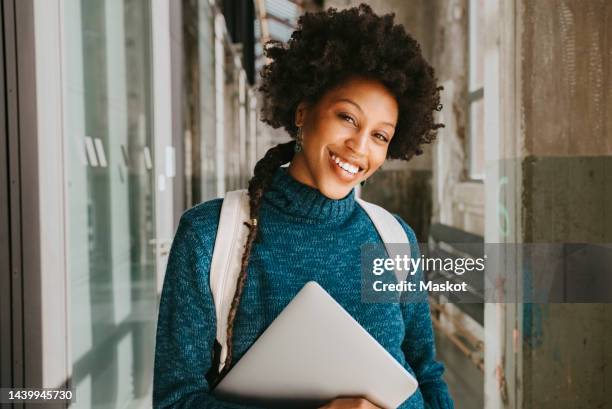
229	246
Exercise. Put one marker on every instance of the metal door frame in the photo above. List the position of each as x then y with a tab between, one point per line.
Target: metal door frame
38	288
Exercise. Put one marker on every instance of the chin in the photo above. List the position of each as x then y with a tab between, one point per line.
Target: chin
334	192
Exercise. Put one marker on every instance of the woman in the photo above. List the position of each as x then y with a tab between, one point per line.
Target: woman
352	89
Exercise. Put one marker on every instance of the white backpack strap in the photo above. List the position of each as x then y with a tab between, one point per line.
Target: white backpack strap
225	264
390	231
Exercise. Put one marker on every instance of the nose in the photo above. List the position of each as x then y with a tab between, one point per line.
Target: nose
358	143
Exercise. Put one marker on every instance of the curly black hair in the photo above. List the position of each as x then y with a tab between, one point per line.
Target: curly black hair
330	46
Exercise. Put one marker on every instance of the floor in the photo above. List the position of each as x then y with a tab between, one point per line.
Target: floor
465	381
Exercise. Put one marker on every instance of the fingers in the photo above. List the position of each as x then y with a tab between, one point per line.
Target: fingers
350	403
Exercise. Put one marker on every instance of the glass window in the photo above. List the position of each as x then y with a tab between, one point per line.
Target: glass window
199	91
476	90
251	132
109	199
231	124
207	100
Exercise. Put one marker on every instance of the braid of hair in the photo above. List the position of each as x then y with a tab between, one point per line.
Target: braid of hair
259	183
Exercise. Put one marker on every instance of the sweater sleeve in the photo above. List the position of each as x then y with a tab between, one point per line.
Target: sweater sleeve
186	327
419	343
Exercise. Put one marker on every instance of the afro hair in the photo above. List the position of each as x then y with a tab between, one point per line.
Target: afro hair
330	46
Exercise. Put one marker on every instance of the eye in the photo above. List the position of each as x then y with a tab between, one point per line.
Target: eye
347	118
382	137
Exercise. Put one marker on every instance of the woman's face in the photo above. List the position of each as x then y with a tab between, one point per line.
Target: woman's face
346	135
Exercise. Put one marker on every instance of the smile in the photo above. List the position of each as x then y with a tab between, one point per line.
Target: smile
345	165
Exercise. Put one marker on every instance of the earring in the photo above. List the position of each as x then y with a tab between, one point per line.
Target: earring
298	141
363	182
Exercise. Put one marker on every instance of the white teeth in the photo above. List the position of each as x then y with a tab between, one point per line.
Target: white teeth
346	166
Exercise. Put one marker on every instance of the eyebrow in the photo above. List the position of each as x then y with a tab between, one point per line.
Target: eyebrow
359	108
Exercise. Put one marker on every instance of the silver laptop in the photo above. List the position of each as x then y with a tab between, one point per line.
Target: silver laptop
312	353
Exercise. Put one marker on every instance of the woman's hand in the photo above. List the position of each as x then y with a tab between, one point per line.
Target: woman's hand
350	403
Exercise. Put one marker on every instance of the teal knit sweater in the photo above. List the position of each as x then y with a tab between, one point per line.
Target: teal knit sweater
303	236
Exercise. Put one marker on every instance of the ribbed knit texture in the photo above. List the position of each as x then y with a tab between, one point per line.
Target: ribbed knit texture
303	236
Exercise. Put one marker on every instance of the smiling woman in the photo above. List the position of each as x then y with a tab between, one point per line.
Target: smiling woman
352	89
344	136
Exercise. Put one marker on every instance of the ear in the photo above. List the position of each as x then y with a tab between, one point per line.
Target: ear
300	114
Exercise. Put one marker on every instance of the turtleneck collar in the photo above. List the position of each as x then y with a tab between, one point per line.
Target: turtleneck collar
306	203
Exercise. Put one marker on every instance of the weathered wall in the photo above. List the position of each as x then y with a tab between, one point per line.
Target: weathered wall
450	59
567	111
566	72
395	189
457	201
567	118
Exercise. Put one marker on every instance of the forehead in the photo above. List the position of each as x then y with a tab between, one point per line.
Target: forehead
372	96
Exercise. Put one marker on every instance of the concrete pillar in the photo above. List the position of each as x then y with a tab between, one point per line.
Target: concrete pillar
549	76
567	174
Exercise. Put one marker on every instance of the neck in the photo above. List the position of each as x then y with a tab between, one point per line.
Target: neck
300	172
306	203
